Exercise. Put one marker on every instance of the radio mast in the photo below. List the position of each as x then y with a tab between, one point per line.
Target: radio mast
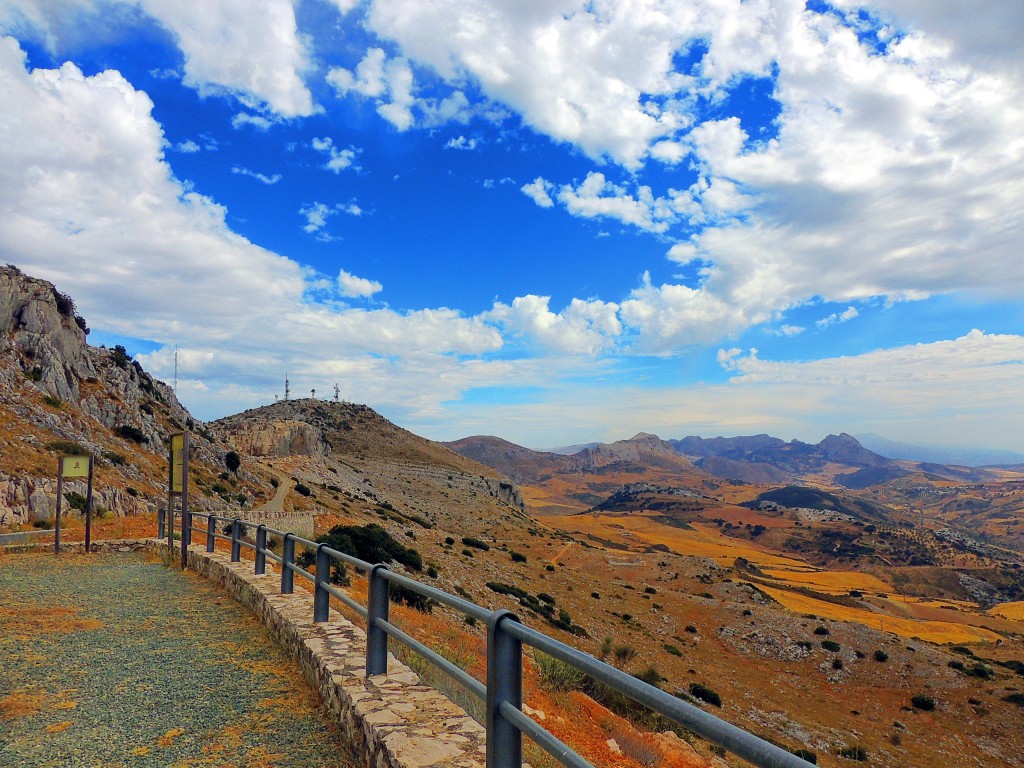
336	392
286	390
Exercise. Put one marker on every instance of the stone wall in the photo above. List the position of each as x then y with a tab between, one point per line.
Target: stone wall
392	720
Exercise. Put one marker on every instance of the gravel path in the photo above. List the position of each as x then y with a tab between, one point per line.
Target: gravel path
115	660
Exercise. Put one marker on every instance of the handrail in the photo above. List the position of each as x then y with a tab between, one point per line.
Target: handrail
505	722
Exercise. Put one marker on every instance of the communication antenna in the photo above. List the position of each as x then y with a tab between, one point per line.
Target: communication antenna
312	393
336	393
175	369
287	391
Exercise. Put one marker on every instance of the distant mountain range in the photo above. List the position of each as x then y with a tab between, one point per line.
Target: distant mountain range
968	457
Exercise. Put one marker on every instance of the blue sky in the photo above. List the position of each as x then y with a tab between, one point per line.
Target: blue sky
551	221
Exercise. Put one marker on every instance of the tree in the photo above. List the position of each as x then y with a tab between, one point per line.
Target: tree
232	461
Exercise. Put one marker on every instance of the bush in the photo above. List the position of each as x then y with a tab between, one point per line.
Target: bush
132	491
75	500
53	402
469	541
42	524
431	571
837	664
596	595
449	540
303	489
34	374
881	656
518	557
922	702
467	552
623	654
691	629
114	458
821	630
854	753
705	694
651	676
1015	698
545	597
806	754
556	675
232	461
549	567
67	447
671	649
372	544
957	665
274	482
830	645
128	432
980	670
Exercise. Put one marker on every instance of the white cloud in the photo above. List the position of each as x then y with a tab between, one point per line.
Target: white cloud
187	147
316	214
357	287
596	197
259	122
147	258
582	328
462	143
249	48
268	180
837	317
338	159
539	191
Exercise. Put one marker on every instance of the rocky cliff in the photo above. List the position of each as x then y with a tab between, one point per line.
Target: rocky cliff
59	395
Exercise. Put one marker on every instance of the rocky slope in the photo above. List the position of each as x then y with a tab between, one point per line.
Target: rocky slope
59	395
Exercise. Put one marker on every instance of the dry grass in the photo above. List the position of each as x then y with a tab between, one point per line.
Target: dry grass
31	620
1013	611
831	582
929	631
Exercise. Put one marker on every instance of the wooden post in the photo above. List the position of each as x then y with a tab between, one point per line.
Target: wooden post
88	510
60	497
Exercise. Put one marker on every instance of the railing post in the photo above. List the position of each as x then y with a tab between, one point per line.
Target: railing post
211	533
236	540
504	684
287	560
161	522
377	607
186	536
321	597
261	546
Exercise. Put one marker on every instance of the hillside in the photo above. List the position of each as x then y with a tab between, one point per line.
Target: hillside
60	395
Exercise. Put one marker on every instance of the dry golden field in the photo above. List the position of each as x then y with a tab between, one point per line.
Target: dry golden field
929	631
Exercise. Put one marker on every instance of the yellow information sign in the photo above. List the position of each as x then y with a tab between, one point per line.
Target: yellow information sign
177	462
74	466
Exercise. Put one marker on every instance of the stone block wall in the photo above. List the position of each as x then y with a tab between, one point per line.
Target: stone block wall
392	720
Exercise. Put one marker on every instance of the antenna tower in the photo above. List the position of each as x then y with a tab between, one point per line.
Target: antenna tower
336	393
287	391
312	393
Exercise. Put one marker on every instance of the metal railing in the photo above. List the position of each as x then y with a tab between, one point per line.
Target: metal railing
503	697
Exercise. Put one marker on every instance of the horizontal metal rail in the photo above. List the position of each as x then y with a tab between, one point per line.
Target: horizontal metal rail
505	721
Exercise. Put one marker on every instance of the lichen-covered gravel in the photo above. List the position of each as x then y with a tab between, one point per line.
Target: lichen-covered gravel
116	660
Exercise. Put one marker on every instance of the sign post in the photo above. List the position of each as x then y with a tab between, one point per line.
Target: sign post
74	467
177	485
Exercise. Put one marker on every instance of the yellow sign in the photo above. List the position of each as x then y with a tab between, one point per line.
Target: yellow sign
177	462
74	466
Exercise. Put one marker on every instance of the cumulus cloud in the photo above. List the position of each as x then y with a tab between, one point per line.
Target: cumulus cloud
539	190
583	327
337	159
147	257
187	147
462	143
357	287
249	49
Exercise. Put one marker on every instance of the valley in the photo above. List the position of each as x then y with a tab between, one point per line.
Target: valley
823	593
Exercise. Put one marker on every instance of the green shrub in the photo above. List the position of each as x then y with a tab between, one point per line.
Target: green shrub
128	432
469	541
981	671
705	694
66	447
806	754
596	595
830	645
549	567
303	489
854	753
556	675
372	544
114	458
53	402
957	665
805	644
691	629
672	649
821	630
545	597
449	540
431	571
1015	698
922	702
34	374
518	557
42	524
274	482
132	491
468	552
881	656
75	500
837	664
